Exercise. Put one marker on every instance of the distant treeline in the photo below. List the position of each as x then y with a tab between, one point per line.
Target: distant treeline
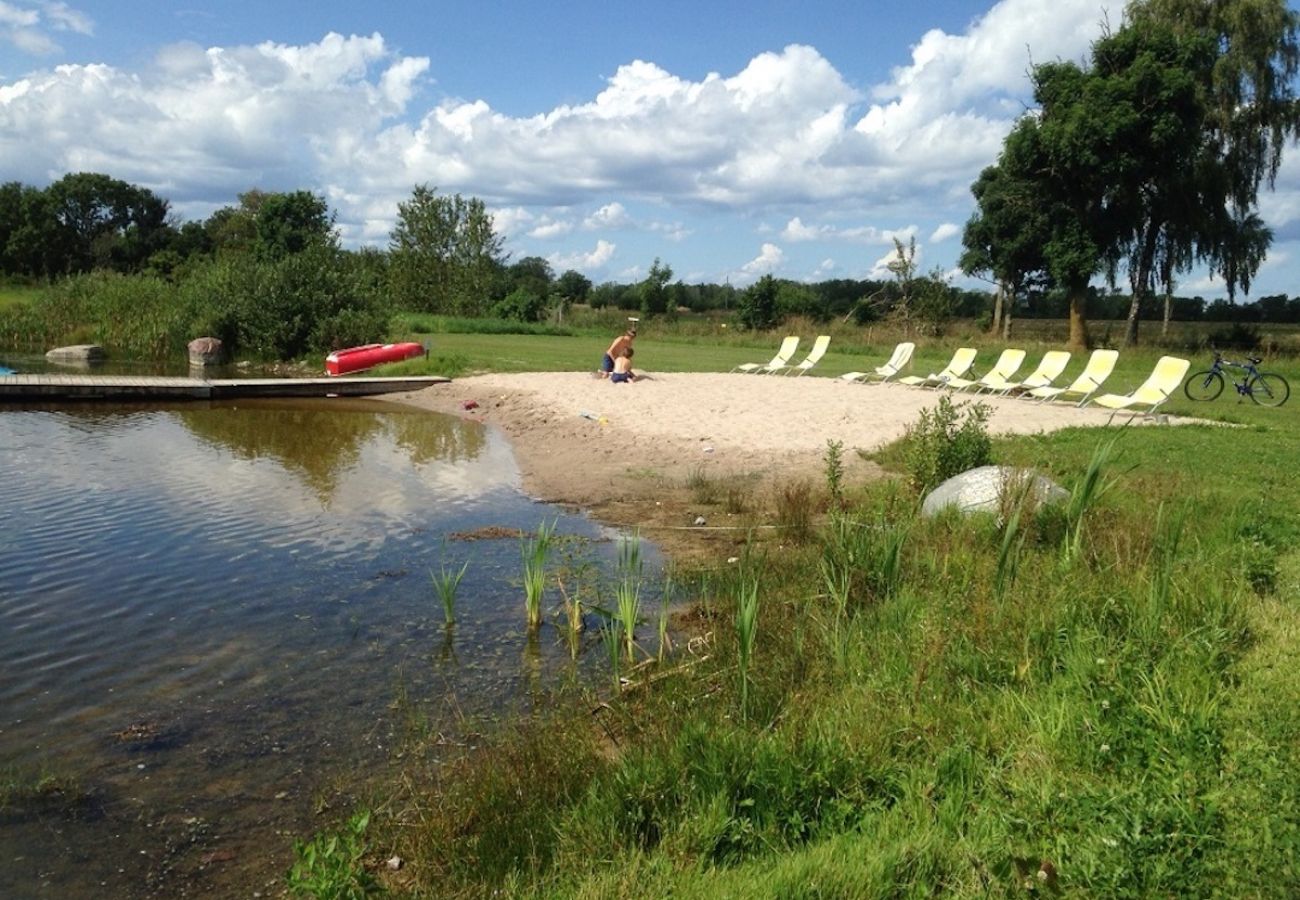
269	276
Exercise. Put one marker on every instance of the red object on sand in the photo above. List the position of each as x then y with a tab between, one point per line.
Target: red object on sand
355	359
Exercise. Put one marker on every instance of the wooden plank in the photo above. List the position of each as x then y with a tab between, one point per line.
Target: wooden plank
60	386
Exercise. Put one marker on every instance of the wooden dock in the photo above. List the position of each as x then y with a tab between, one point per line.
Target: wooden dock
42	388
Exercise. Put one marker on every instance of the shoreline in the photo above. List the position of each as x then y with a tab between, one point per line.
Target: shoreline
628	453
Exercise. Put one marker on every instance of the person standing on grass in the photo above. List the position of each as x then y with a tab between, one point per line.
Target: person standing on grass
621	343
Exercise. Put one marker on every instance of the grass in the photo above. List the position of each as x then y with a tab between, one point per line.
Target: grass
1094	700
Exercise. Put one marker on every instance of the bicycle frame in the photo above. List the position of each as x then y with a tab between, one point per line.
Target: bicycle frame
1248	368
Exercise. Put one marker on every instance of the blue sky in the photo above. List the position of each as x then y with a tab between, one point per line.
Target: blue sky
729	140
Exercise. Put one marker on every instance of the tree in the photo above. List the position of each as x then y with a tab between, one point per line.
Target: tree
532	274
288	223
654	297
573	286
106	223
445	253
757	308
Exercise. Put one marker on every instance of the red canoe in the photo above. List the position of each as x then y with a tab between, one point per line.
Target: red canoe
355	359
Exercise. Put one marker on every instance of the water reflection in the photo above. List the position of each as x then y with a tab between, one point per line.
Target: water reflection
321	440
208	612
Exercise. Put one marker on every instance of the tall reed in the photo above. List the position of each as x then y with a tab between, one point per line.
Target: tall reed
1013	542
534	551
1087	491
612	636
627	592
665	600
447	583
746	633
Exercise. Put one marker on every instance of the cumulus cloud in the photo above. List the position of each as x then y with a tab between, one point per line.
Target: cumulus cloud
27	25
944	232
550	228
795	231
611	215
769	259
340	116
594	260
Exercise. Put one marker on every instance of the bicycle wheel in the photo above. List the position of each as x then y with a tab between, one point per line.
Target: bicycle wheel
1268	389
1204	386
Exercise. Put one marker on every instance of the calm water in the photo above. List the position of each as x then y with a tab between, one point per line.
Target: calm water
216	619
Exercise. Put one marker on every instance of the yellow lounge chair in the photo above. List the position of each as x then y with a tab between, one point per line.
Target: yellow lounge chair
1049	369
958	366
1097	370
1160	384
779	361
1003	369
901	356
814	356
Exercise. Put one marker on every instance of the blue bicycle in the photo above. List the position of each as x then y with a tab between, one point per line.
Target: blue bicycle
1265	388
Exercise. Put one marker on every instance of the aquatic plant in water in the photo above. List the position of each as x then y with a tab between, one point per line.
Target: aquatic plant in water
627	592
447	583
534	552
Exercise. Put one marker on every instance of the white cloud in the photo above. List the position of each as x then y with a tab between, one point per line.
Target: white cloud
28	25
594	260
611	215
550	228
339	116
795	231
944	232
769	259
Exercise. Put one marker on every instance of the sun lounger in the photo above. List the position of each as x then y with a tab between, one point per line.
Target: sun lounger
814	356
1003	369
779	361
957	367
1160	384
1097	370
901	356
1049	369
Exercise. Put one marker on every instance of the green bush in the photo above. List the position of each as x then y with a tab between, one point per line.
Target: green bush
945	441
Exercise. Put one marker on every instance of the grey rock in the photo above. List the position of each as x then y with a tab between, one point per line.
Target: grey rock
980	490
77	353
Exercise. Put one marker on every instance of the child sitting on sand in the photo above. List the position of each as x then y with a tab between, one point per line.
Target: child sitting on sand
621	343
623	368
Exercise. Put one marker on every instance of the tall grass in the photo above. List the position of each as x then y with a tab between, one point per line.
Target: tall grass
1087	491
627	591
746	634
534	551
447	583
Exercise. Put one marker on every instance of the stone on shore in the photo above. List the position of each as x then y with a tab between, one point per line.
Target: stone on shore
981	490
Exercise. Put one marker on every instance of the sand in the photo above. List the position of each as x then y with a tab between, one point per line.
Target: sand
587	442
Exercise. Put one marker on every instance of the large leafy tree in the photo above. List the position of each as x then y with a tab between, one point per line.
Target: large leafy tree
106	223
444	253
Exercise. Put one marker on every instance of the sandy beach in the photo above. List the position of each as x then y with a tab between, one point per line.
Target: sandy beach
584	441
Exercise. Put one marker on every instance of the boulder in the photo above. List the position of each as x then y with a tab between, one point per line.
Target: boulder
206	351
980	490
78	353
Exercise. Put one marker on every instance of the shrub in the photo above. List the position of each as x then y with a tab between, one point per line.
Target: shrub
946	440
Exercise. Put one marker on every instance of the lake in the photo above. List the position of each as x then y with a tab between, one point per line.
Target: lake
217	620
